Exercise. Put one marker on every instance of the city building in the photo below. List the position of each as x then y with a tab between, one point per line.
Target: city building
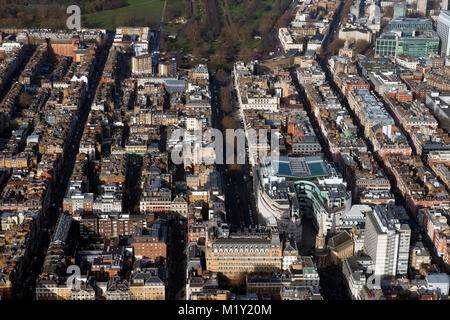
421	7
413	37
387	240
243	253
150	243
358	273
443	30
148	284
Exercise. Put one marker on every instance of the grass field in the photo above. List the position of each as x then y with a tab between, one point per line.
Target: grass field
142	12
237	10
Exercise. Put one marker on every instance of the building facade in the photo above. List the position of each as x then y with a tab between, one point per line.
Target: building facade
443	30
387	240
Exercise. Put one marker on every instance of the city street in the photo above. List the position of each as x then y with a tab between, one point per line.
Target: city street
176	261
237	191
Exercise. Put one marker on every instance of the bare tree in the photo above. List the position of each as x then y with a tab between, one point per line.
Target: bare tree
25	100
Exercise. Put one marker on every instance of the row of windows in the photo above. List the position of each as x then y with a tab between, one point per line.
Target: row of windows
147	289
241	250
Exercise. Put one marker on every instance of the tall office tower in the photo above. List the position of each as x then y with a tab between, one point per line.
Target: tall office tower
387	240
399	10
173	67
422	7
443	30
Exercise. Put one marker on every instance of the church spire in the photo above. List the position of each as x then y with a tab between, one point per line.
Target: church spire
320	238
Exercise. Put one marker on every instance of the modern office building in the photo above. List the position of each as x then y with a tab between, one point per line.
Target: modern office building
419	45
387	240
413	37
399	10
410	24
443	30
289	188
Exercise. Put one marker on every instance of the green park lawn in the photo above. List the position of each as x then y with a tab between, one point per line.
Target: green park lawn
139	11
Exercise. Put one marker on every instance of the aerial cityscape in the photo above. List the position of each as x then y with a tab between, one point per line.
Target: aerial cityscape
233	150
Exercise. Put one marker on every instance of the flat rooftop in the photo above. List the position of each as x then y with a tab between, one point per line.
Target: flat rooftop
313	166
